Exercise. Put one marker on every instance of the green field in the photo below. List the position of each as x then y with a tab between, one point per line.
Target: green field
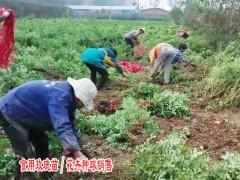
51	49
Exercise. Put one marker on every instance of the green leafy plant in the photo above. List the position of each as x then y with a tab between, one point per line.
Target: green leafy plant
223	84
227	168
7	162
176	14
169	104
114	126
143	90
169	159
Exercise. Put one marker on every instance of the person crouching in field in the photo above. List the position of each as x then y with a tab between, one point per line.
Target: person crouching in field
7	42
131	38
163	55
98	60
183	34
29	110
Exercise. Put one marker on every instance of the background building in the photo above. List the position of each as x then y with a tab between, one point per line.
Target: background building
82	10
154	11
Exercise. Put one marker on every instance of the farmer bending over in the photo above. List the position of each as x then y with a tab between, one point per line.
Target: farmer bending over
183	34
163	56
98	60
131	38
29	110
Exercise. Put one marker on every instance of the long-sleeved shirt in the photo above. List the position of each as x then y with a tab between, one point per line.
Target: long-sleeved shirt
102	58
133	35
43	105
154	53
178	58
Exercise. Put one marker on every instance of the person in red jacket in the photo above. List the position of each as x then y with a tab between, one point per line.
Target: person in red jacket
7	43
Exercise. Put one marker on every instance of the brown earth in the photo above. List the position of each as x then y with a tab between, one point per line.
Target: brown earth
99	148
216	132
113	91
206	131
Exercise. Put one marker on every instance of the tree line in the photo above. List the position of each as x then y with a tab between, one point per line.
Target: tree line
51	8
79	2
219	19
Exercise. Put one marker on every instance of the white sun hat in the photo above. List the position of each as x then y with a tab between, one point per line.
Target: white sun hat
6	14
143	29
85	90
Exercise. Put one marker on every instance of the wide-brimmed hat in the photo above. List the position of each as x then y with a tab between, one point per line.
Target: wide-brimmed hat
85	90
142	29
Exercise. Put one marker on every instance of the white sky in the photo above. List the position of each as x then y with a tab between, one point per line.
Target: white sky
164	4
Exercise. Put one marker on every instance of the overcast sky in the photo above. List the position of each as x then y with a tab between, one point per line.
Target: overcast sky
164	4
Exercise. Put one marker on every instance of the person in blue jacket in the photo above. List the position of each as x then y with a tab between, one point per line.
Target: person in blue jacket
31	109
98	60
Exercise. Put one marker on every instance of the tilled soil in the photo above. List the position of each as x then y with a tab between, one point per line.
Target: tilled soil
208	132
112	92
98	148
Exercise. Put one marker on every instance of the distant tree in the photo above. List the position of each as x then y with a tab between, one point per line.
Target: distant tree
216	4
176	14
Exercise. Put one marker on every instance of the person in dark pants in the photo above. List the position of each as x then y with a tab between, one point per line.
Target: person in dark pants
29	110
98	60
131	38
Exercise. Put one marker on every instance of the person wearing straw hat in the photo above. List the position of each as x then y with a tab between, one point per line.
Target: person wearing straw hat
30	109
131	38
